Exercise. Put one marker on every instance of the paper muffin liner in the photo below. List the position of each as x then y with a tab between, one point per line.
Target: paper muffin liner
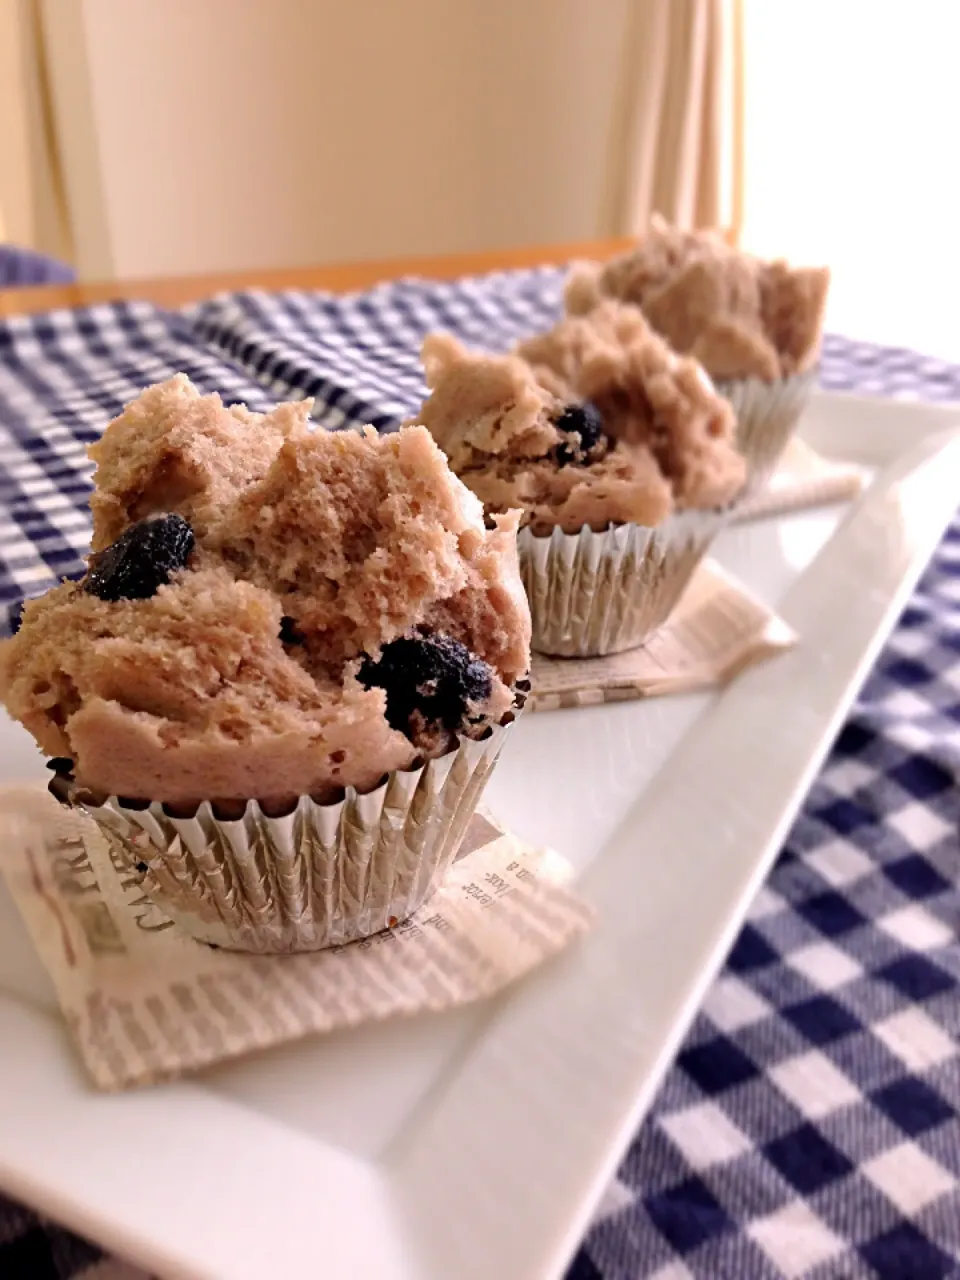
593	594
319	876
767	415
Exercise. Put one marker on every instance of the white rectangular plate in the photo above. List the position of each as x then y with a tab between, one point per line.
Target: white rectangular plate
476	1144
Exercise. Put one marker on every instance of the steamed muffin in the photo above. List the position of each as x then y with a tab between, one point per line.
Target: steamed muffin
269	611
620	454
286	676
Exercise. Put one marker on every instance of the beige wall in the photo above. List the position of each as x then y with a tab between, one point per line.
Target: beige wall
16	187
212	134
31	196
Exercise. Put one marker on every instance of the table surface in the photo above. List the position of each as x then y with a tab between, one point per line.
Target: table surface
176	291
810	1125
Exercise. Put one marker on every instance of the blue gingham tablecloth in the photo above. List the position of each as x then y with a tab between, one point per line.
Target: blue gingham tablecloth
810	1126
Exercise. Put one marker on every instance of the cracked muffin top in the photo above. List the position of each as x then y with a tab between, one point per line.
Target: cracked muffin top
596	422
740	316
268	611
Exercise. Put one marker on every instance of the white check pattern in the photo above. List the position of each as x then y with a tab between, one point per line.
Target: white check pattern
811	1124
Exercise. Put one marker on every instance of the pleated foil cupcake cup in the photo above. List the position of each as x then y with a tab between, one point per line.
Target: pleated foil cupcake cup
767	415
319	876
593	594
